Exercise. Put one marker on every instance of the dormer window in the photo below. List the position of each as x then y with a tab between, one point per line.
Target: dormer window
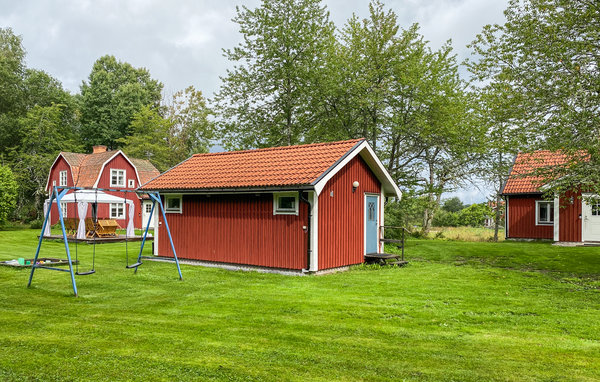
62	178
117	178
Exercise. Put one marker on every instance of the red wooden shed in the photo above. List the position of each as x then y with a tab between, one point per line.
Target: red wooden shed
102	169
530	216
302	208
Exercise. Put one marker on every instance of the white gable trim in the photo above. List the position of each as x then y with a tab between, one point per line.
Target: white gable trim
388	186
51	167
111	158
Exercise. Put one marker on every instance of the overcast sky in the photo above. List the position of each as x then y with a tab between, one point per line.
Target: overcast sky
180	42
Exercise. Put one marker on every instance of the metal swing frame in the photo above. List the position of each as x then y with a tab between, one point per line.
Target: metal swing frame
57	194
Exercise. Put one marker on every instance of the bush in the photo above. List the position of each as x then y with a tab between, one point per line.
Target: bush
36	224
474	215
8	193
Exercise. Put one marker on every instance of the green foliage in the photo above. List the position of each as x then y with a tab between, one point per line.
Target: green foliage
405	213
111	96
268	98
453	204
472	216
543	64
8	194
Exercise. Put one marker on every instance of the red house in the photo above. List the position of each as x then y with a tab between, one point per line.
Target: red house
530	216
102	169
301	208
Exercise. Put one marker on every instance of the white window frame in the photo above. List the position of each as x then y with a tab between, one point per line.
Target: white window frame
173	210
280	211
537	213
116	170
62	178
147	207
117	216
131	183
63	207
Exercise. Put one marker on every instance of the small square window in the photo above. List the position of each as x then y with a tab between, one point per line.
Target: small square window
117	178
148	207
131	183
173	204
117	211
285	204
544	214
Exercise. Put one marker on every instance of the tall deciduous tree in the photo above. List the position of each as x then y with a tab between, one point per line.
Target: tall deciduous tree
113	93
268	98
546	55
8	193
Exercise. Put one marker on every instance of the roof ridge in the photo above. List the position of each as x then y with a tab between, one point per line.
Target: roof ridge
278	148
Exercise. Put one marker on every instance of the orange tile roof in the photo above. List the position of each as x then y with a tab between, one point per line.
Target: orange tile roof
145	169
270	167
519	182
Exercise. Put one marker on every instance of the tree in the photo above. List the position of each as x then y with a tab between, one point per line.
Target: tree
268	98
8	194
191	130
113	93
545	56
149	138
453	204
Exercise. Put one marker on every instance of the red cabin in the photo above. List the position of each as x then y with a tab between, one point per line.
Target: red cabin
300	208
530	216
102	169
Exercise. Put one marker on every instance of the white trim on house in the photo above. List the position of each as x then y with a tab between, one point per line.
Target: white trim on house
381	245
119	216
282	211
388	186
537	203
111	158
314	232
556	218
51	167
60	178
506	233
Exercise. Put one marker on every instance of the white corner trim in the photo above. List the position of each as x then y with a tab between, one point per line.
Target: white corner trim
381	245
314	233
556	218
111	158
380	171
51	167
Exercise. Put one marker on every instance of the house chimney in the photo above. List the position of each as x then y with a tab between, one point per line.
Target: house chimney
99	149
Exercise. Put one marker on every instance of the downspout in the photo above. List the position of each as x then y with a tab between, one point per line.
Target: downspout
308	249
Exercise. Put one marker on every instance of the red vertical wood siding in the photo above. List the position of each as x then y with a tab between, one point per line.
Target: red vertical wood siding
238	229
521	219
119	162
570	217
341	216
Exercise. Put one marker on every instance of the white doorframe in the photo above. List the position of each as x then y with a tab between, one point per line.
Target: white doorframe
366	215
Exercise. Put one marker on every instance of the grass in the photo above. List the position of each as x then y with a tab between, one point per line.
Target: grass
459	311
465	233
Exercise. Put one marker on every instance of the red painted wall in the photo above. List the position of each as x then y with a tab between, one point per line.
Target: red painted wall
521	219
119	162
238	229
570	220
341	216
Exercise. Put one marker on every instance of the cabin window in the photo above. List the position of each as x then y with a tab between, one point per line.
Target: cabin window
544	212
63	207
117	178
117	211
285	204
148	207
62	178
173	204
131	183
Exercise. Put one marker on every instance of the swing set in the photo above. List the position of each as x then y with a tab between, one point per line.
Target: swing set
83	230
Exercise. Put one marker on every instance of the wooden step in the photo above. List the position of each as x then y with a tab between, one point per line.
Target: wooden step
381	256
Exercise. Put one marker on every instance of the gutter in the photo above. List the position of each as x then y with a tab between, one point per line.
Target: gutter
308	249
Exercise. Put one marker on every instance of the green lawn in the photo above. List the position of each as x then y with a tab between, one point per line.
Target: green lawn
459	311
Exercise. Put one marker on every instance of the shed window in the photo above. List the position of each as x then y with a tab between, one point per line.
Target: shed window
117	178
117	211
173	204
285	204
62	180
544	212
131	183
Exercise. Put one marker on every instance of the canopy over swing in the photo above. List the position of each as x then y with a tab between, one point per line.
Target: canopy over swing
83	198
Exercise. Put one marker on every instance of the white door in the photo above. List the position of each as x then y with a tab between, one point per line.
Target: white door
146	208
590	211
